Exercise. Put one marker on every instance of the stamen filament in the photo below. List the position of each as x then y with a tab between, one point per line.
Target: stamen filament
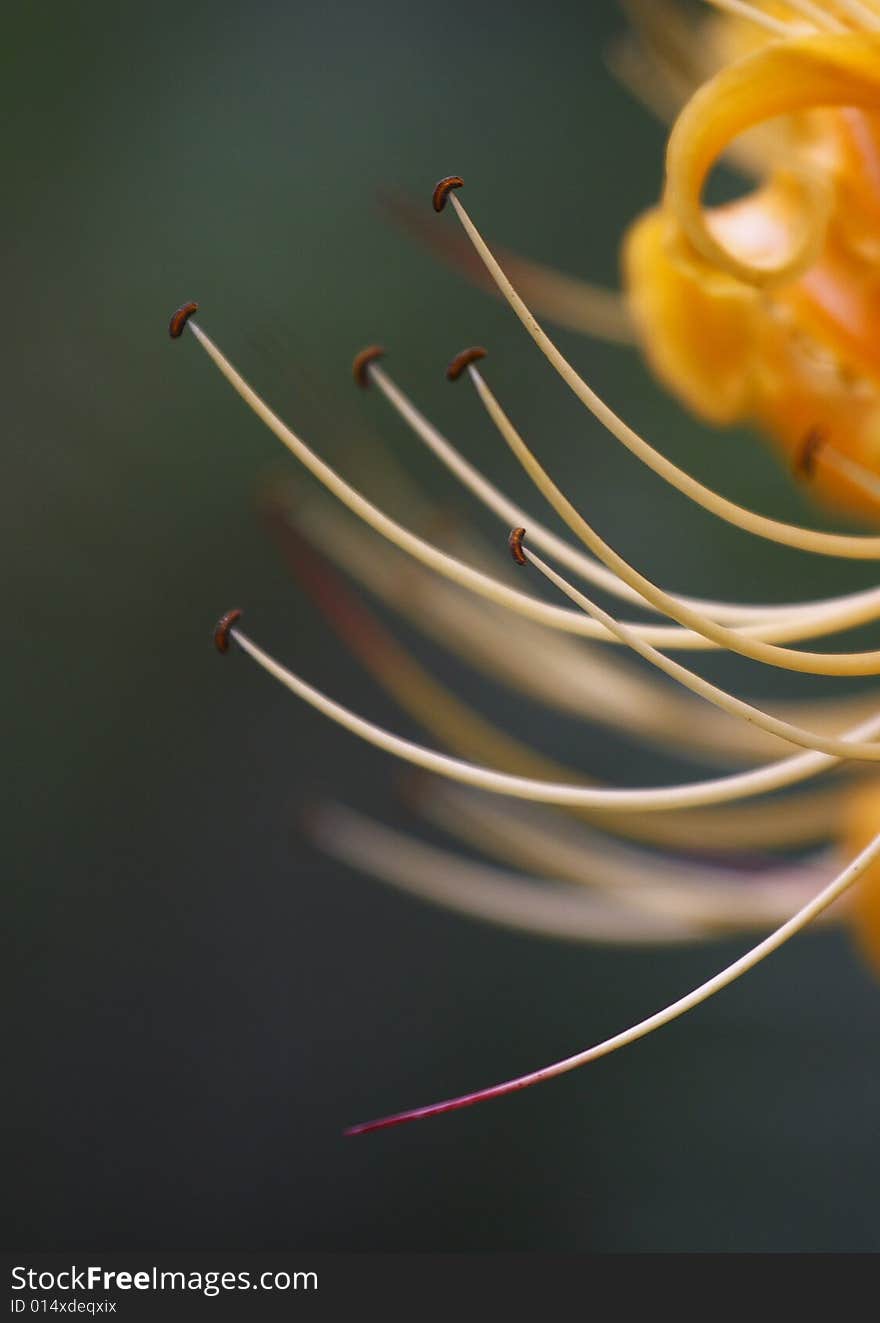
566	300
743	642
574	853
553	670
816	14
861	14
843	545
799	819
485	585
856	474
869	752
657	60
741	9
720	790
804	916
546	908
790	621
649	911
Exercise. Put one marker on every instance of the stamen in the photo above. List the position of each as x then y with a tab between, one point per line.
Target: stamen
804	462
180	318
649	79
660	63
567	300
222	628
572	622
443	188
720	790
362	361
818	14
568	677
515	542
861	14
746	642
494	499
843	545
804	916
510	900
807	739
422	551
567	851
596	573
602	691
741	9
463	360
662	39
827	456
799	819
664	29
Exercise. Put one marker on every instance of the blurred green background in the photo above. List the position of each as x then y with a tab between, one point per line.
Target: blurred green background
198	1002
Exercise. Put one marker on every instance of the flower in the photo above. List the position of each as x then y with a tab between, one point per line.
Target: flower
760	310
765	309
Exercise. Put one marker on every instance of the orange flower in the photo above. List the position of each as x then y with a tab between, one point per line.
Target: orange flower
764	310
760	310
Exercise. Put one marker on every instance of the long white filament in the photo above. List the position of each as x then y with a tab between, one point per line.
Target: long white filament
589	683
716	791
798	819
512	514
789	621
653	913
538	841
625	905
745	642
547	909
572	622
848	546
697	685
804	916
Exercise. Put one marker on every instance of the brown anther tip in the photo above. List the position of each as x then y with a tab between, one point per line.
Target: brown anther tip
362	361
515	542
222	628
180	318
443	188
804	462
464	360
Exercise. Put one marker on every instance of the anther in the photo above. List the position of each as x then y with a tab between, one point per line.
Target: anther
805	456
515	542
362	361
443	189
464	360
180	318
222	628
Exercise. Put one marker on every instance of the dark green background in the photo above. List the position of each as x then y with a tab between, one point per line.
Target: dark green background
198	1002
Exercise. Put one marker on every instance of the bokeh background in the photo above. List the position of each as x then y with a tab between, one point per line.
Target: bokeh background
198	1001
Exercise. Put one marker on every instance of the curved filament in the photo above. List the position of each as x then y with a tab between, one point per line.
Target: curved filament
800	920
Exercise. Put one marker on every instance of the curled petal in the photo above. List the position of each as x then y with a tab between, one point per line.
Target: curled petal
780	79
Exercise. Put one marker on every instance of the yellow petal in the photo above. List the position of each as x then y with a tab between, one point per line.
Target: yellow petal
697	326
782	78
